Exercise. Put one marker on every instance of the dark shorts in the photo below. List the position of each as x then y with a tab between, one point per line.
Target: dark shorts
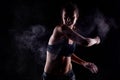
68	76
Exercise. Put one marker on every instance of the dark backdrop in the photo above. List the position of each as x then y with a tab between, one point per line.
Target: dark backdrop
27	25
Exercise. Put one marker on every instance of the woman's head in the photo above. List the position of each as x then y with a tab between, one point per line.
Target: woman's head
70	13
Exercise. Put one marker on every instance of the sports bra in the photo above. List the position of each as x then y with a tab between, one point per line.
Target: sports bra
62	48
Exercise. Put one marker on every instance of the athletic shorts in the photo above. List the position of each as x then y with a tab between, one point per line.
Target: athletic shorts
68	76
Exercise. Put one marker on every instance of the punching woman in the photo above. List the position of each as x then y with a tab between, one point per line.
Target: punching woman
61	46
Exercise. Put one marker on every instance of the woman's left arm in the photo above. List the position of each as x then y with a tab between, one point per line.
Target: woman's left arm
77	60
91	66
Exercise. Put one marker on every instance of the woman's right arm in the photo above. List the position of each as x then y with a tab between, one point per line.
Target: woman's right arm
79	38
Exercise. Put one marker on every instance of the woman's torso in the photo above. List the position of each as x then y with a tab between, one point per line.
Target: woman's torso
60	61
57	66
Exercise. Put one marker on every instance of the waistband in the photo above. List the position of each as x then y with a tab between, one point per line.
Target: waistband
68	74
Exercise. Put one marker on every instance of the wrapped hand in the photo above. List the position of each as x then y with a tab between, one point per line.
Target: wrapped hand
91	66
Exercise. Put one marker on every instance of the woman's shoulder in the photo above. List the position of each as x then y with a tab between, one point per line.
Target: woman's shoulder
58	27
61	28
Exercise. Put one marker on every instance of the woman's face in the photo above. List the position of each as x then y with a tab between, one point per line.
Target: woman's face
69	19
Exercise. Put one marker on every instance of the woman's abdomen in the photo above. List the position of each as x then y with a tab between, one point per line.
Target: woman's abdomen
58	65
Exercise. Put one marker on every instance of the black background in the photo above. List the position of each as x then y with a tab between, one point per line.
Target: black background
26	63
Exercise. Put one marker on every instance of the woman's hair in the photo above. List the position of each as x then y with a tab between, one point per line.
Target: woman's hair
70	8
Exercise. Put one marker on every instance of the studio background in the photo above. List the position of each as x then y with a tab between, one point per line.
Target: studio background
27	25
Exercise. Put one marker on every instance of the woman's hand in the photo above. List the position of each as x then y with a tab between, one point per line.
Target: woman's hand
93	41
91	66
97	40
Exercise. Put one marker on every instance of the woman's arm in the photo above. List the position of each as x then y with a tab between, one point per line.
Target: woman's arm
79	38
77	60
91	66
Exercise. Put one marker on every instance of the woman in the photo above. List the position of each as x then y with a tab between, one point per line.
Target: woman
61	46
